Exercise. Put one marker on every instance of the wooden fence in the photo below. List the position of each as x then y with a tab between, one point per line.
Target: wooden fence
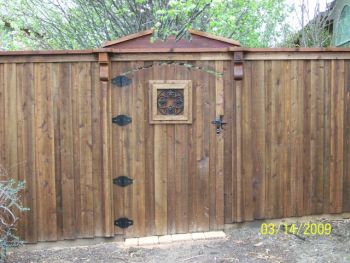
285	149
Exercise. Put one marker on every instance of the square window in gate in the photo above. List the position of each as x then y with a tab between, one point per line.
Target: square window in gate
170	101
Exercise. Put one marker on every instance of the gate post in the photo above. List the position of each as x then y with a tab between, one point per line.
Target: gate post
238	74
104	69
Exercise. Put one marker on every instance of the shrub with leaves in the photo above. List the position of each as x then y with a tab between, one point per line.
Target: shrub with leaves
10	205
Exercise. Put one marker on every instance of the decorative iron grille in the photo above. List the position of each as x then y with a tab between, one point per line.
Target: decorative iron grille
170	102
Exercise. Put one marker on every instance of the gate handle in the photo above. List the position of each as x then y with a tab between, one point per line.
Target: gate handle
219	124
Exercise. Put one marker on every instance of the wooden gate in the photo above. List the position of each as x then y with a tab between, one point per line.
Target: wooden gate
175	160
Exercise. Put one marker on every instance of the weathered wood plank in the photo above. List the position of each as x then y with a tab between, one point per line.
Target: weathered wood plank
219	161
26	105
202	149
258	138
2	116
192	144
337	139
229	150
128	146
54	70
138	167
286	151
295	139
44	137
247	164
307	195
85	141
346	180
98	176
117	145
66	152
211	97
327	137
149	156
160	176
181	165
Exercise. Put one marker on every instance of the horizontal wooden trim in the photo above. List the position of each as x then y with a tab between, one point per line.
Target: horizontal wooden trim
48	59
170	50
296	56
171	56
52	52
330	49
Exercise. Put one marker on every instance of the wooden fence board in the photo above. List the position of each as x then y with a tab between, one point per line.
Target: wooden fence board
284	152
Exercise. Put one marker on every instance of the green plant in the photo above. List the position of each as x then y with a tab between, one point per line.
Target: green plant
10	205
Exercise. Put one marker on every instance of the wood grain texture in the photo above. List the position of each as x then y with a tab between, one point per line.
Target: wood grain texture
284	152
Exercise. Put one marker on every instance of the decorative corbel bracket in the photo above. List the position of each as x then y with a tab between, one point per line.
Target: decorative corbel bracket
104	61
238	65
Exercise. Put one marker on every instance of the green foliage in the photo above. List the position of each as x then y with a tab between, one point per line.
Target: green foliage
77	24
9	206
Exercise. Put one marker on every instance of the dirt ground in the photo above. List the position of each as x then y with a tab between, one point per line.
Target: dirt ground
244	243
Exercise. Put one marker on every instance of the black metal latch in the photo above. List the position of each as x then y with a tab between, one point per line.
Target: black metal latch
123	222
121	120
122	181
219	124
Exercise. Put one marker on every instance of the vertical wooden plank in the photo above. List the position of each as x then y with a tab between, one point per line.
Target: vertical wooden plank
238	188
26	153
286	150
76	146
149	156
173	187
181	174
229	148
295	144
2	116
98	148
258	138
202	107
317	100
160	168
275	198
127	107
11	163
192	160
313	130
182	151
160	177
66	152
138	167
268	137
117	147
346	181
337	139
212	149
20	137
219	169
56	86
301	67
85	144
101	76
327	136
247	167
307	138
44	135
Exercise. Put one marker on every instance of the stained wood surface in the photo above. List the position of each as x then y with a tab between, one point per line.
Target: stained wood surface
182	185
292	140
50	137
284	152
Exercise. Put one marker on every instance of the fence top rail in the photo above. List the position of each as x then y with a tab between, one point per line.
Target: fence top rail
168	50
